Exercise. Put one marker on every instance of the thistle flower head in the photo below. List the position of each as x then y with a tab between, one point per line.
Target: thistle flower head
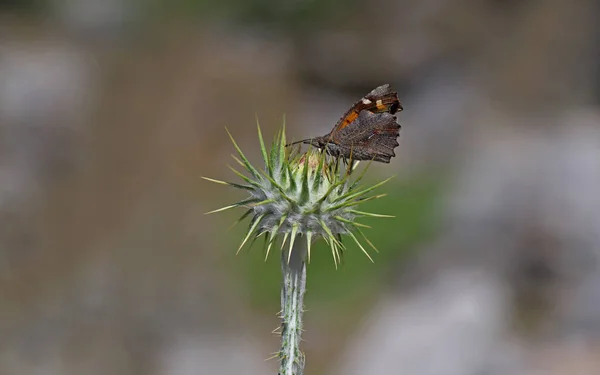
309	195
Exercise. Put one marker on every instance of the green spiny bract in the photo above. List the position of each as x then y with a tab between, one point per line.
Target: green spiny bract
300	194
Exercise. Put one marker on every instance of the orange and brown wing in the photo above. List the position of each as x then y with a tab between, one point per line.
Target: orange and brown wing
381	99
373	136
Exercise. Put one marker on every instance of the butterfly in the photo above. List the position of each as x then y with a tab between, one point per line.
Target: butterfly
367	131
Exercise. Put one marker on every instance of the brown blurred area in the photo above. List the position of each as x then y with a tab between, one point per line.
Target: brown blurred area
111	111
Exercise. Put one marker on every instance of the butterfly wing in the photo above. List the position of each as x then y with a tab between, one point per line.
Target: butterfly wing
381	99
372	136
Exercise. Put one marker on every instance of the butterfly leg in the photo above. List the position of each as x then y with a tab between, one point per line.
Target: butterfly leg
349	164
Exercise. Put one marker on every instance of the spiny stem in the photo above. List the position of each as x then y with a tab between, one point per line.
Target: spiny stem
292	307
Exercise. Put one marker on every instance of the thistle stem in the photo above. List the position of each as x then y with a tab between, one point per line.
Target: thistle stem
292	307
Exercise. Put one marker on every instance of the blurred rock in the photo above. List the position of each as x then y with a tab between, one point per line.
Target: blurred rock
43	100
563	359
219	355
96	19
571	210
454	324
528	67
43	104
397	42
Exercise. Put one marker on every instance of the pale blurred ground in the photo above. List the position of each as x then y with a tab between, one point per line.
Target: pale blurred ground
111	111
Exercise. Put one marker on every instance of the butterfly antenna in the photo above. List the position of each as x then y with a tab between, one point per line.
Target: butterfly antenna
295	143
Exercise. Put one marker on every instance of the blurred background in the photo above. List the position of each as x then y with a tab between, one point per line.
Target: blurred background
110	111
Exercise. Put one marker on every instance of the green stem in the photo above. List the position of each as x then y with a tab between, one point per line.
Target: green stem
292	307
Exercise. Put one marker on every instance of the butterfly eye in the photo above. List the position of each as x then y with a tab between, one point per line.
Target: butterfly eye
394	107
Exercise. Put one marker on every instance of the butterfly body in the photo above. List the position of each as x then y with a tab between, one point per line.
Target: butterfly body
367	131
